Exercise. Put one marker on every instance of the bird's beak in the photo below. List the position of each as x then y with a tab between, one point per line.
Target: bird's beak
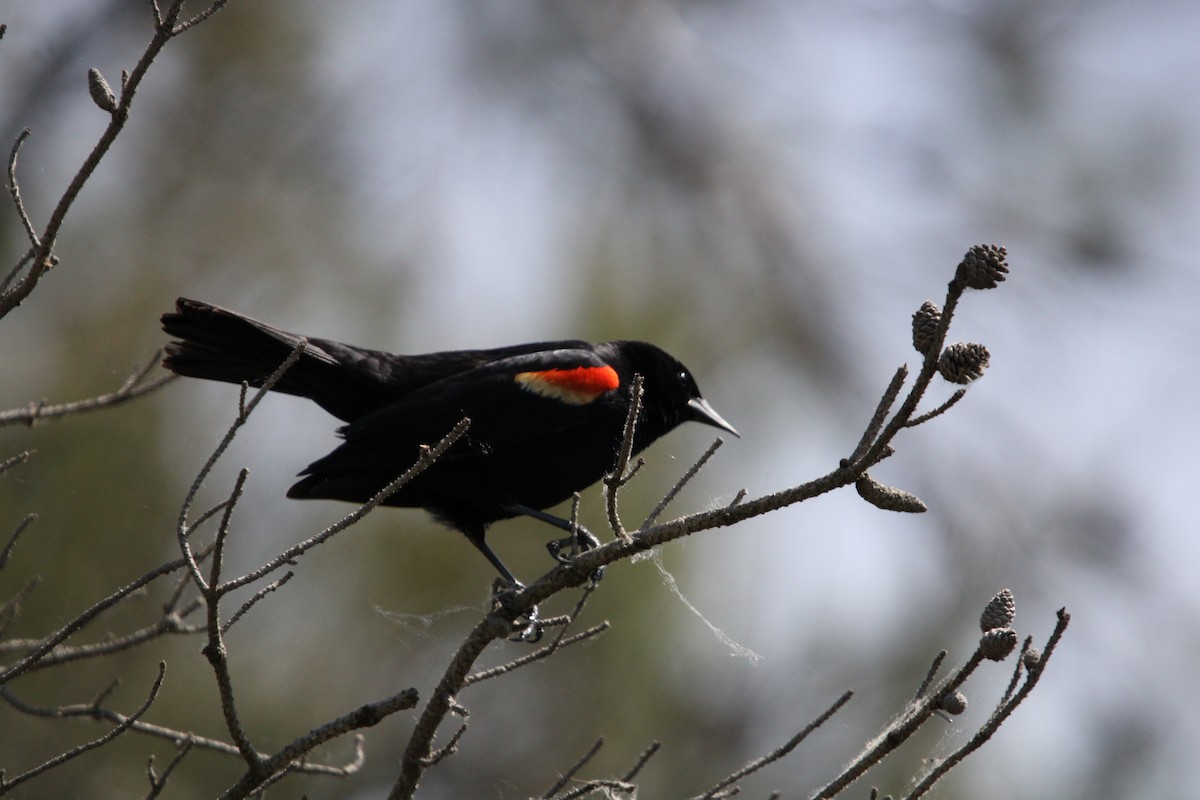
701	411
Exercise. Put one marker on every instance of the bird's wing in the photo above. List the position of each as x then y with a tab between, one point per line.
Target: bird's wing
515	400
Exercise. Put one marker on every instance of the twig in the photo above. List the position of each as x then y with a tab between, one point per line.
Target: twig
158	783
215	652
930	675
196	20
287	758
43	259
14	190
218	556
6	553
881	411
451	746
426	458
683	481
16	270
6	786
646	755
13	461
959	394
570	772
548	650
168	624
898	731
259	595
495	625
72	627
131	389
613	789
244	410
871	454
177	737
997	718
778	753
537	655
619	476
12	606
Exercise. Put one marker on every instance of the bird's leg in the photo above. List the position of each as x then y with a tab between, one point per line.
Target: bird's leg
580	540
528	626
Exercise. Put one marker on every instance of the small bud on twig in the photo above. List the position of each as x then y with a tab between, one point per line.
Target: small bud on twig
954	702
983	267
963	362
1032	658
925	323
102	95
889	498
999	612
998	643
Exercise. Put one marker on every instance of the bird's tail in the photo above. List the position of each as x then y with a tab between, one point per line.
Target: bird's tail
220	345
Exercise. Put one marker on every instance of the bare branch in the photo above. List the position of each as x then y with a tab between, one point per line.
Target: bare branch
16	270
132	388
619	477
427	457
215	652
959	394
218	557
898	731
646	755
12	606
14	190
14	461
79	622
683	481
43	259
570	772
6	786
930	675
451	746
181	531
1007	705
6	553
537	655
168	624
177	737
289	757
495	625
157	783
203	15
259	595
881	411
614	788
778	753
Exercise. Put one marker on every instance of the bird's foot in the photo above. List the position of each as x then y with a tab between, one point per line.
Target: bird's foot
527	626
582	541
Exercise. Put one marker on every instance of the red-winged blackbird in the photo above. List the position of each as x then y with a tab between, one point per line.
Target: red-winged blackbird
547	418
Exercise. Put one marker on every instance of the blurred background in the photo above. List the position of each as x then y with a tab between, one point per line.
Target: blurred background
768	190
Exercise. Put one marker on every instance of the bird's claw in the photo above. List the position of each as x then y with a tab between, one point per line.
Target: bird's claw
527	627
580	542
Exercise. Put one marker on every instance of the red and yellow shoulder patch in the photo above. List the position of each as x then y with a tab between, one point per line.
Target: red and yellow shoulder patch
576	386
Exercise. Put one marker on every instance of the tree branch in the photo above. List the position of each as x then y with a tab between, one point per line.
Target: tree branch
134	386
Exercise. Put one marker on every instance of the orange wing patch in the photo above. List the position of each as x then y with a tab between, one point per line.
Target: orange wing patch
576	386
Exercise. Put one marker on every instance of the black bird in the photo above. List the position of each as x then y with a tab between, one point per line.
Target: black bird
547	418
